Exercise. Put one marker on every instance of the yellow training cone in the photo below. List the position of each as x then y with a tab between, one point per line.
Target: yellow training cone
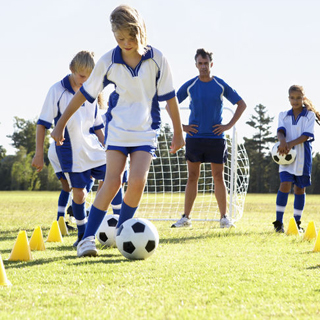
311	232
54	233
292	228
317	244
21	249
36	241
3	277
63	226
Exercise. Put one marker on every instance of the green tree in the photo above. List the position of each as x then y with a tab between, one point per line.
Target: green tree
258	150
24	135
3	152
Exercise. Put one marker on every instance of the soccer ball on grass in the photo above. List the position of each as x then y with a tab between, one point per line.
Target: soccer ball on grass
283	159
106	232
137	239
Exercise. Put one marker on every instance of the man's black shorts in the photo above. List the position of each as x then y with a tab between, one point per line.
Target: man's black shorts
206	150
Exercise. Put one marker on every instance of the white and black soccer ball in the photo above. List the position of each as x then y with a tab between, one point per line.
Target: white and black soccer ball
284	159
137	239
106	233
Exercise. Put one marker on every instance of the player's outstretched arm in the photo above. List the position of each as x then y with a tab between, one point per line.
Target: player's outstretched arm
177	139
58	132
37	160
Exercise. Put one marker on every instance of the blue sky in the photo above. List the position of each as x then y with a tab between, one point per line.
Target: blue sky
260	47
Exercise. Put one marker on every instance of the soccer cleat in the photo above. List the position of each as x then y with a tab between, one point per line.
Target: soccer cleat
69	227
87	247
278	226
226	223
183	222
301	230
78	240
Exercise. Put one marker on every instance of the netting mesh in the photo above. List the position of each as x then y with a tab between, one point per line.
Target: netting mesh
163	197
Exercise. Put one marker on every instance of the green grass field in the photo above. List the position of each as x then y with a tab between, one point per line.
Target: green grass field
202	272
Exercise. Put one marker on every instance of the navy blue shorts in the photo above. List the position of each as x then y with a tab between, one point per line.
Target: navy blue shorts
206	150
299	181
60	175
127	150
81	179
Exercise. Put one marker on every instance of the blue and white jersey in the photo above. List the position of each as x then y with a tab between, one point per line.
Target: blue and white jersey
81	150
293	129
206	103
133	116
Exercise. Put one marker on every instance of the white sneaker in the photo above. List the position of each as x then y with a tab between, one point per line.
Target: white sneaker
226	223
87	247
183	222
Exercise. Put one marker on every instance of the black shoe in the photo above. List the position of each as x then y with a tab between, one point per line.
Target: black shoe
70	228
70	211
278	226
301	230
78	240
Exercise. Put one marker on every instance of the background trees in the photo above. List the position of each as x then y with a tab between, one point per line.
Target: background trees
16	172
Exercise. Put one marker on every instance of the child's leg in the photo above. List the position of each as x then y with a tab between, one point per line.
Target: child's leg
79	209
282	200
299	202
139	168
116	163
63	198
117	201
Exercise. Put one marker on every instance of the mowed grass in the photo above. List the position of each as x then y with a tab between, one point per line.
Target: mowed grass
202	272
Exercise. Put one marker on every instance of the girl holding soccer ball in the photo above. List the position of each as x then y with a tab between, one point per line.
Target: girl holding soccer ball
142	77
295	129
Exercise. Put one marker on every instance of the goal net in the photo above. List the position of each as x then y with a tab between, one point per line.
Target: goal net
163	197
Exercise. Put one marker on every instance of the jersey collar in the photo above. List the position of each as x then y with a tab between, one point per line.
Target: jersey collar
66	84
117	58
302	113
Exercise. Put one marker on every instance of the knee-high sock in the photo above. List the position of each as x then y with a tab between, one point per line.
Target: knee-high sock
126	213
282	199
117	201
79	214
298	206
62	203
95	218
89	186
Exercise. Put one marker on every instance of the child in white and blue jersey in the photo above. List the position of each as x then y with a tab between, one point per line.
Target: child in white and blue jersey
82	156
142	77
295	130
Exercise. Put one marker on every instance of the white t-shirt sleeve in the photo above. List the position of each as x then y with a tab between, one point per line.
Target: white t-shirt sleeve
98	78
49	109
165	87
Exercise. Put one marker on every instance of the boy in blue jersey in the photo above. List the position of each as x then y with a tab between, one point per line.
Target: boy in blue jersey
295	130
205	133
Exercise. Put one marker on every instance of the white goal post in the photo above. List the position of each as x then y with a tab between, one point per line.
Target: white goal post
163	198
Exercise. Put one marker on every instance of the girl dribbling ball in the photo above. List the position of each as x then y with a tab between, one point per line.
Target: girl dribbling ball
142	78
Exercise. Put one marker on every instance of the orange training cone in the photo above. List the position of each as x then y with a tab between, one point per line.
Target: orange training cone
54	233
292	228
63	226
317	244
311	232
3	277
21	250
36	241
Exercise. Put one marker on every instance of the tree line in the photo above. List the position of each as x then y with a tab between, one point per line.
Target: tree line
16	172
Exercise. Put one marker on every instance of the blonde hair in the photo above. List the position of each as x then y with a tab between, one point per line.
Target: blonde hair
306	102
82	61
127	18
